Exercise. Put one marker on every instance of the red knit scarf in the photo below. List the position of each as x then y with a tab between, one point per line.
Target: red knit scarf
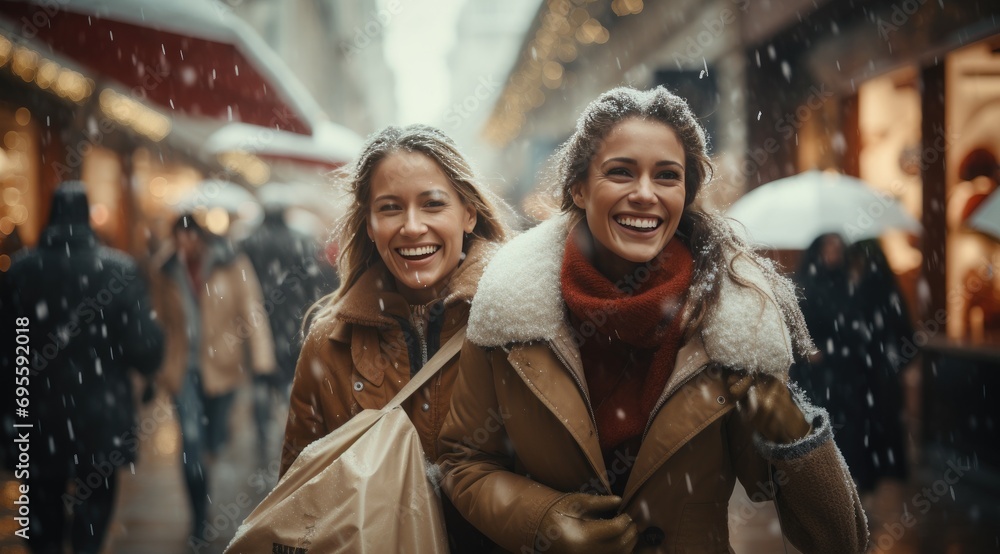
630	333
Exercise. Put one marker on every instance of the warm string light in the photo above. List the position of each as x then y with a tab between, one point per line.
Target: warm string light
564	27
252	168
13	155
71	85
626	7
6	47
46	74
217	221
126	111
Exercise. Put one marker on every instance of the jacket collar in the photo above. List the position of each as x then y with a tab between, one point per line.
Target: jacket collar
373	301
520	300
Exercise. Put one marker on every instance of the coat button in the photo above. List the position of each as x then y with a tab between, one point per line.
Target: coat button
721	399
652	536
425	407
358	385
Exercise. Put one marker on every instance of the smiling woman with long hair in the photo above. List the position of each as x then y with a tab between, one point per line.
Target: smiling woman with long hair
414	243
637	351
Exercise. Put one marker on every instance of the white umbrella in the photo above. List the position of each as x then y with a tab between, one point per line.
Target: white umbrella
986	217
316	198
215	193
790	213
330	144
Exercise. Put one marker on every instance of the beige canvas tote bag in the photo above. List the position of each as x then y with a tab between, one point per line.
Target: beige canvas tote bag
363	488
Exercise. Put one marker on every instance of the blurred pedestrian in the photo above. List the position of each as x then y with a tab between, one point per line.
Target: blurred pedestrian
413	245
90	322
831	376
857	317
626	364
287	265
10	244
212	311
886	329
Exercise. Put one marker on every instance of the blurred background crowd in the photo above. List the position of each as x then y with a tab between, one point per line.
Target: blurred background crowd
856	142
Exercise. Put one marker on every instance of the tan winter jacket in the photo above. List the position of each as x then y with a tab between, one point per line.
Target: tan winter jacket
521	434
233	323
358	359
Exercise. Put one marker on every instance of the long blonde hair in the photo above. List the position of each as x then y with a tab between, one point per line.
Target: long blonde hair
357	253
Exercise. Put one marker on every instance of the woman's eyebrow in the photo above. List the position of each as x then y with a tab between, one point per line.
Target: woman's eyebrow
621	159
435	193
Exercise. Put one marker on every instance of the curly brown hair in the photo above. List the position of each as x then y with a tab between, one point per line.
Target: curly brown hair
710	237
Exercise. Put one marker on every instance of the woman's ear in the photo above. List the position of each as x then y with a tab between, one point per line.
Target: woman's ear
368	229
471	217
576	189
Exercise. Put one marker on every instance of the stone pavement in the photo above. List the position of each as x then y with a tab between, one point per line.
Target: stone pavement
152	515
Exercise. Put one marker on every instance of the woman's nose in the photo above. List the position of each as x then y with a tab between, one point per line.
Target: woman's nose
642	193
414	225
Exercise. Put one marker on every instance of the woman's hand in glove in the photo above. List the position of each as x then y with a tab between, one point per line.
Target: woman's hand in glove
768	405
581	522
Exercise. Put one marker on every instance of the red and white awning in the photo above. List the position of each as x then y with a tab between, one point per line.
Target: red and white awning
194	57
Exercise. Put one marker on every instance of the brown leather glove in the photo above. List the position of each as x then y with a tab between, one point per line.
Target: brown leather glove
580	522
768	406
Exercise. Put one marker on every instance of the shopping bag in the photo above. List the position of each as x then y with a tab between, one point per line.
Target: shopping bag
363	488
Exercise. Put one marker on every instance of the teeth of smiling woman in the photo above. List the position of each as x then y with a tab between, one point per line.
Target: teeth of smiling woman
639	222
421	251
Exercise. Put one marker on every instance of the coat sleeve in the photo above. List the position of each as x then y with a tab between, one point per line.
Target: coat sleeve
817	501
168	312
305	422
261	340
477	462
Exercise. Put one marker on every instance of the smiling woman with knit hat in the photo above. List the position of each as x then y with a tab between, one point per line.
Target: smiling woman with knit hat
637	353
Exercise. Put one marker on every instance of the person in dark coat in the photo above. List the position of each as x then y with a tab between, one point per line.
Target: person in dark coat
856	321
287	266
90	322
10	244
886	326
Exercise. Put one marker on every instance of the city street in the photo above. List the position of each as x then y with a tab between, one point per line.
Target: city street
152	516
677	243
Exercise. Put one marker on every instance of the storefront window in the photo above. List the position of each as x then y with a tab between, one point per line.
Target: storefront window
973	255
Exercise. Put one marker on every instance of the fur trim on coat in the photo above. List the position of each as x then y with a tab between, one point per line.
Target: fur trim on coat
520	300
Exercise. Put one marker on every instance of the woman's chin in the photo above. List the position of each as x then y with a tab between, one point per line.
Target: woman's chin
414	283
420	282
637	255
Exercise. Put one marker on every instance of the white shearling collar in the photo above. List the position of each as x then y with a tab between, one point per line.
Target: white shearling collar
520	300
